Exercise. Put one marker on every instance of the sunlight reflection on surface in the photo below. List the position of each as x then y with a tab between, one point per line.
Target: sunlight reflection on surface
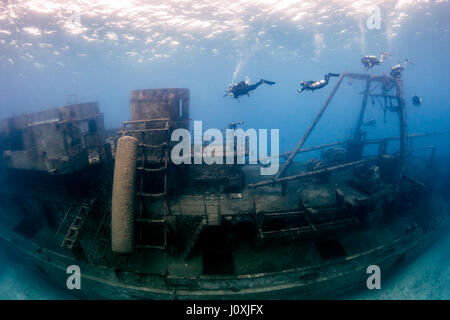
183	23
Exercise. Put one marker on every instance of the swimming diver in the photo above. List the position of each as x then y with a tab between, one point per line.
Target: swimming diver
417	101
314	85
371	61
397	70
243	88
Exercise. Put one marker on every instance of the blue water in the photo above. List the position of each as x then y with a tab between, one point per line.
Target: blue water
49	58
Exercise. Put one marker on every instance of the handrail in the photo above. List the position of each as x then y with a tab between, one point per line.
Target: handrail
367	141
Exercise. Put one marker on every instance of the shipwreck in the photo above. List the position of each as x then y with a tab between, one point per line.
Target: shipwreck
139	226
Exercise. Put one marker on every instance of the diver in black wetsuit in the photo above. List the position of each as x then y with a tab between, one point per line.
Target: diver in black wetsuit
371	61
243	88
417	101
314	85
396	71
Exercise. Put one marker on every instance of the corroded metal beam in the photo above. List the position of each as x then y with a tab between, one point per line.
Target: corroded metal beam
310	173
410	136
357	135
309	149
403	123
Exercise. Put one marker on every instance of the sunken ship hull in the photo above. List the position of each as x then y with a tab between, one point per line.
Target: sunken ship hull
141	227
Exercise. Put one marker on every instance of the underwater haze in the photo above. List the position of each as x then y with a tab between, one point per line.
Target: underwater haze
54	52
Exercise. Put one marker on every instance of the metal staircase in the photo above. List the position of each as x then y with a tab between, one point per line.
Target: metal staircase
211	217
192	241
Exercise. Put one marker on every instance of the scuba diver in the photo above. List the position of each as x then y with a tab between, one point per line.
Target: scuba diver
314	85
397	70
233	125
371	61
243	88
417	101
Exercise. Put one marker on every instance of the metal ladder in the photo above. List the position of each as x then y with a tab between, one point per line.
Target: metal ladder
162	169
78	215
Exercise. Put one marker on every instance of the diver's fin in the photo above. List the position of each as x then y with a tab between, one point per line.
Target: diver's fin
333	74
270	83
